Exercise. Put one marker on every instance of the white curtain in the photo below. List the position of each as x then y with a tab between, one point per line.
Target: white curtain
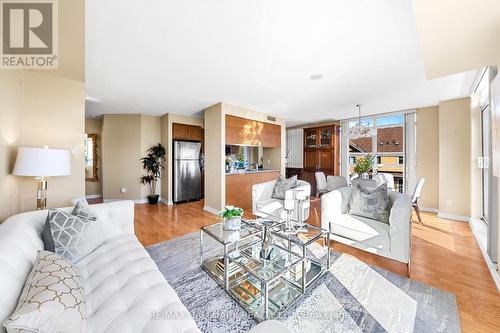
410	152
295	148
344	149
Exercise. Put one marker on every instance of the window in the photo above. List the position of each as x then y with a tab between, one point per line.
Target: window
387	145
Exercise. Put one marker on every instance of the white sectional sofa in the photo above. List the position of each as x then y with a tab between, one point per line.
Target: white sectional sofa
125	291
123	285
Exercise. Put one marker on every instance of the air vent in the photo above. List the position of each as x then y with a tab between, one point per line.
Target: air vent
271	118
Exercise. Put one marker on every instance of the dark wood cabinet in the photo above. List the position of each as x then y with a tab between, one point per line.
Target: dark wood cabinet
187	132
321	152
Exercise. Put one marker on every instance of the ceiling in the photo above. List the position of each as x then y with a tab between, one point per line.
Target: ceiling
456	35
160	56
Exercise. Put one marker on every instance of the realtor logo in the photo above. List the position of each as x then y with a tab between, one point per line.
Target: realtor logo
29	34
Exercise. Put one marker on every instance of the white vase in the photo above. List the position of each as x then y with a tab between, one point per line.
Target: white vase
365	175
233	223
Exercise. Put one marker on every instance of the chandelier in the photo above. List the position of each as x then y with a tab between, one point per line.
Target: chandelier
360	129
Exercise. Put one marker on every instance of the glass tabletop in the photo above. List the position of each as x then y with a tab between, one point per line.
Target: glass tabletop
229	236
279	263
307	234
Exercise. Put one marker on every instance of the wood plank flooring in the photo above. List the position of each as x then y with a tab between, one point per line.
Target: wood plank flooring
444	255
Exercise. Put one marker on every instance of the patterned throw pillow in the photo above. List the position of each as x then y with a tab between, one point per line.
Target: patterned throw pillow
283	185
371	204
52	300
75	236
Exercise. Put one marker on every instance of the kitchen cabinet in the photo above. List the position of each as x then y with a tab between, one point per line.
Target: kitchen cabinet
242	131
186	132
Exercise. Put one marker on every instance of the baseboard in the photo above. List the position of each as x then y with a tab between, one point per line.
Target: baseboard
93	196
429	209
211	210
166	202
136	201
475	226
454	217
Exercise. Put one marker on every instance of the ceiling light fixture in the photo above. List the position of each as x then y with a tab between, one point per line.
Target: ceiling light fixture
360	129
316	77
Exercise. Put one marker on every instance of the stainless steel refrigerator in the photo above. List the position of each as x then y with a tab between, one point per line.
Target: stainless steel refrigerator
187	170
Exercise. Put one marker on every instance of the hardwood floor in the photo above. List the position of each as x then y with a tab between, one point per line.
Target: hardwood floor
444	255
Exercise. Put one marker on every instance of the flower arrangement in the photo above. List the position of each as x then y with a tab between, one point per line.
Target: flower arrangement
232	217
364	164
231	211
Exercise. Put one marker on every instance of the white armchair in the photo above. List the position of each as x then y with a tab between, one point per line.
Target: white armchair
264	205
391	240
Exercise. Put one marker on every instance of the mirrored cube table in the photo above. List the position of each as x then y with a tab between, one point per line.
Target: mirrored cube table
262	288
310	243
265	288
215	244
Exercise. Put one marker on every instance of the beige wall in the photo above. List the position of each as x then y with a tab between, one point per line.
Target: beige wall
38	110
121	150
125	139
427	151
215	192
150	136
94	126
45	107
456	36
11	109
166	139
454	157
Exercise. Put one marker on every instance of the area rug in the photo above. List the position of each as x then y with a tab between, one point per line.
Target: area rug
351	297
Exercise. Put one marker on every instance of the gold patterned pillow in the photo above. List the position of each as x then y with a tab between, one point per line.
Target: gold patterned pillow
52	300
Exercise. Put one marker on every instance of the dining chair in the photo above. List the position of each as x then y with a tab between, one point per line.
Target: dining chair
321	184
416	196
385	178
335	182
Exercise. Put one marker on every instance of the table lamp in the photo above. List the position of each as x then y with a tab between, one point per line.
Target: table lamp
42	163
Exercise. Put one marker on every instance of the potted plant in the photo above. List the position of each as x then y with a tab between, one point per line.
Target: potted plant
364	164
153	164
232	217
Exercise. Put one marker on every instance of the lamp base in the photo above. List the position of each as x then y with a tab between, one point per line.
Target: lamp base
41	193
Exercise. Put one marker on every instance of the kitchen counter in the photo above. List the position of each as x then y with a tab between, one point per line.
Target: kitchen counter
244	172
239	186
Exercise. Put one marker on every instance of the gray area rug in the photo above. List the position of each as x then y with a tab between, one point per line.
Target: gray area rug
351	297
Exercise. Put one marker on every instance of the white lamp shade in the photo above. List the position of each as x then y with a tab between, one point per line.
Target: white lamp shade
42	162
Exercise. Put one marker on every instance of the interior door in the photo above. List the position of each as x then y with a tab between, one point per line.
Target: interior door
486	147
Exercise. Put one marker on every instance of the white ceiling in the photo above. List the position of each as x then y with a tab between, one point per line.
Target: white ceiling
181	56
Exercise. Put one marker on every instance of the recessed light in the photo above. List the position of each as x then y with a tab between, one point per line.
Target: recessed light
316	77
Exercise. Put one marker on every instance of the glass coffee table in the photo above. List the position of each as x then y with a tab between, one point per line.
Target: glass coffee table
264	287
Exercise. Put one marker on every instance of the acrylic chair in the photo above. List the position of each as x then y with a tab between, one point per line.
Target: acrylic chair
416	196
321	184
385	178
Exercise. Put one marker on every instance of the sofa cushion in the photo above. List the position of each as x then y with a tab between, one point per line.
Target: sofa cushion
52	299
283	185
126	292
363	230
373	204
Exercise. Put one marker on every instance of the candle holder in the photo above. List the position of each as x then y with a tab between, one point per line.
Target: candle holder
289	206
301	199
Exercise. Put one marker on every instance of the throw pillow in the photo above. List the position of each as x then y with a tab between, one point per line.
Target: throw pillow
371	204
48	241
52	300
81	210
283	185
74	236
